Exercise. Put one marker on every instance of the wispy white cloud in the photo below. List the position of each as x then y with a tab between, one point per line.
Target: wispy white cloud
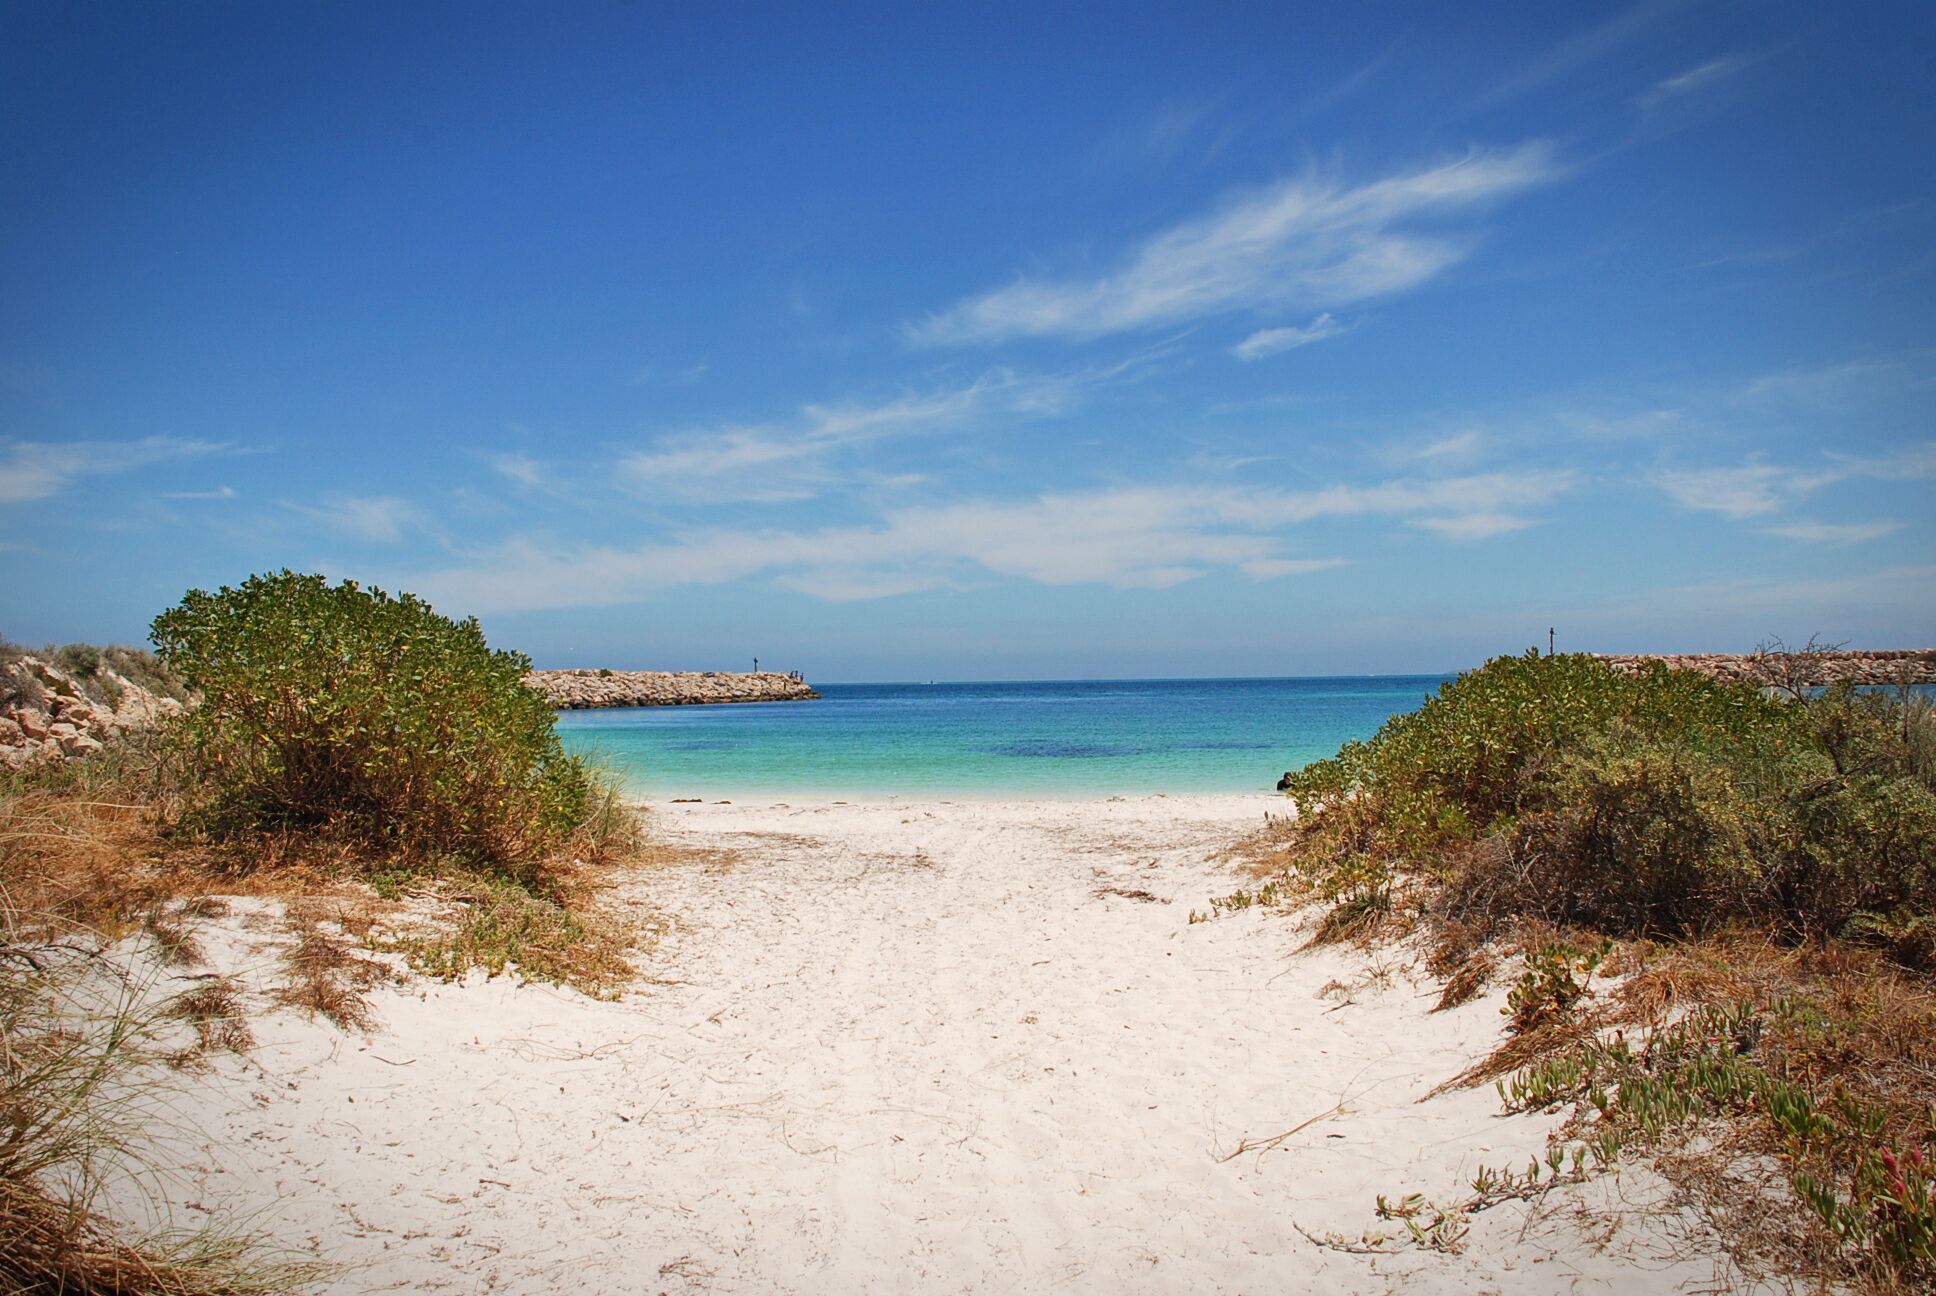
1131	537
1905	463
1272	340
1181	124
1459	445
1834	383
533	477
1834	533
1274	568
1306	241
1475	526
1582	48
1746	491
668	375
1470	495
214	493
1604	426
850	585
1756	489
1357	80
1700	77
1190	129
32	470
793	459
372	519
520	468
756	464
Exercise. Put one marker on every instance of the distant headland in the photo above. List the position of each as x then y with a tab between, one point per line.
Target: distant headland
574	690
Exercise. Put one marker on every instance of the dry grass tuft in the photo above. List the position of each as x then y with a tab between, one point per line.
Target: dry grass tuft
69	857
82	1084
1130	893
326	976
216	1011
59	1248
1266	852
554	929
1468	980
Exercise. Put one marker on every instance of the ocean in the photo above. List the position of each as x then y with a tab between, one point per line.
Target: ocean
1051	738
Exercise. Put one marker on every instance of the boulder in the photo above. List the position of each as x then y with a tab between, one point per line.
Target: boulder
79	744
50	717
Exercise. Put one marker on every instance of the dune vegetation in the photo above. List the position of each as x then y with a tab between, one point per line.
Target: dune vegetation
1717	911
374	768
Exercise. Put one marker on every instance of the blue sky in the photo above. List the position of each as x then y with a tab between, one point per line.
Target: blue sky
1038	341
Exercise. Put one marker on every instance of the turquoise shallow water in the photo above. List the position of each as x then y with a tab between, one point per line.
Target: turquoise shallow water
1047	738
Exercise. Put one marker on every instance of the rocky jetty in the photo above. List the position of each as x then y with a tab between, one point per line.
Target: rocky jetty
572	690
1804	668
48	713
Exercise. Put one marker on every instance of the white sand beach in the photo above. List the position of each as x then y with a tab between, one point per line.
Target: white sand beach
899	1047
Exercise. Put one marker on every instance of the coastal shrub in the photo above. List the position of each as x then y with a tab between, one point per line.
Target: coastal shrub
1743	884
356	713
1656	803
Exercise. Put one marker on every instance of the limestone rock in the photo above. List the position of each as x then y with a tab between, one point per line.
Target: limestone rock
79	744
47	715
572	690
1790	669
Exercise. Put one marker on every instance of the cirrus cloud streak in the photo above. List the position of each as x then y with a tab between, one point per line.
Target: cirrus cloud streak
1306	241
1132	537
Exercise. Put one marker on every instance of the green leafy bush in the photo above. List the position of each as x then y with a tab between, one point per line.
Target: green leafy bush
1582	814
338	708
1657	803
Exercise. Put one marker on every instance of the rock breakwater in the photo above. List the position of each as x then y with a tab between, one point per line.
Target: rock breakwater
1795	669
573	690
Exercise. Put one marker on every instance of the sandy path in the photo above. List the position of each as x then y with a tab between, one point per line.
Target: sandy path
906	1048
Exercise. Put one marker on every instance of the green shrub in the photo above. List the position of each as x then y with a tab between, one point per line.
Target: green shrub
332	707
82	661
1660	802
1562	806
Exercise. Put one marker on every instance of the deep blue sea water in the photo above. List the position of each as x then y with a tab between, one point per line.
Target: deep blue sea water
1055	738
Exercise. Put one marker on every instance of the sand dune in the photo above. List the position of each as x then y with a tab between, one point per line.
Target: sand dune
912	1048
